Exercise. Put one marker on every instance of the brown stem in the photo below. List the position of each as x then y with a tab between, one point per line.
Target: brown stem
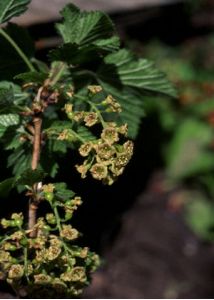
33	206
37	121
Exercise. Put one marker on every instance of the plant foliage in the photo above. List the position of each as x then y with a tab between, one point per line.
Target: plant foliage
88	99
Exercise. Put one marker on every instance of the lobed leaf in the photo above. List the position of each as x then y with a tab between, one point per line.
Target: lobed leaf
29	177
84	28
62	192
12	8
124	68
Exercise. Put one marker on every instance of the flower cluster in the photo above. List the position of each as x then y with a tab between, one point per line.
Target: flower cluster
49	263
106	157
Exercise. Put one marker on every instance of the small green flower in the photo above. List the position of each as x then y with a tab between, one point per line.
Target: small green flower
82	169
50	218
78	116
84	252
114	106
68	108
18	235
128	148
5	223
116	170
105	151
53	252
122	160
85	149
9	247
78	274
48	188
110	135
16	271
66	135
69	233
42	279
75	274
91	119
99	171
123	129
94	89
5	256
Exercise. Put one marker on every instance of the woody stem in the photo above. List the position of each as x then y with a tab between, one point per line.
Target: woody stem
33	205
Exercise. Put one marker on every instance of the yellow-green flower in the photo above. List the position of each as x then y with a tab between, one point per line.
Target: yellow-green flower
99	171
110	135
69	233
94	89
16	271
105	151
85	149
91	119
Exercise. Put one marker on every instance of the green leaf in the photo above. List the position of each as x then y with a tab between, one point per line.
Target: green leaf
74	54
20	160
188	153
132	102
12	8
36	77
62	192
125	68
2	130
84	28
9	120
11	96
85	133
6	186
29	177
11	64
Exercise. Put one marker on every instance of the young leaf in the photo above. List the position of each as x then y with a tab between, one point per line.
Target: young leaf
29	177
84	28
11	95
6	186
12	8
36	77
9	120
62	192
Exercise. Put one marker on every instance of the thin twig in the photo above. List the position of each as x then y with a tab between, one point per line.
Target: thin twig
33	206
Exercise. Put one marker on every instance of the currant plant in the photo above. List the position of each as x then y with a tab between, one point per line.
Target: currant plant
83	98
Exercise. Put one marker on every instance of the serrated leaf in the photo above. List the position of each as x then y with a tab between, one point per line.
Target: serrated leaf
84	28
10	96
132	104
12	8
36	77
72	53
9	120
19	160
11	64
62	192
85	133
6	186
30	177
125	68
